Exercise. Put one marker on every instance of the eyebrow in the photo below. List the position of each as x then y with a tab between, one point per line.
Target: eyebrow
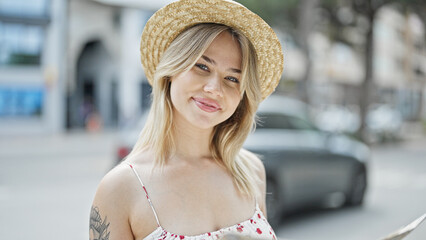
211	61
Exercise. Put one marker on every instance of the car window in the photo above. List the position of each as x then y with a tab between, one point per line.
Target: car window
282	121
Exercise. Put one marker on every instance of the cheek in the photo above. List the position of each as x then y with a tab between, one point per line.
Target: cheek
176	88
176	95
234	100
181	84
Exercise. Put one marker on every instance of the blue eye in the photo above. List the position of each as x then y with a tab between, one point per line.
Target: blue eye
233	79
202	66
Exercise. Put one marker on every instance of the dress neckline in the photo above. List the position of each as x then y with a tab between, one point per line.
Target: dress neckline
160	229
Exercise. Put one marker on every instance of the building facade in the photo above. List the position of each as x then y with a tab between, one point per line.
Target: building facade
64	61
32	65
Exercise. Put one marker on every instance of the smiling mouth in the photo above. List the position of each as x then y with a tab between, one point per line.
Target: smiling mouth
207	105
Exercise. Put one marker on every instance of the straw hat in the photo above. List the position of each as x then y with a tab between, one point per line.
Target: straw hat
166	24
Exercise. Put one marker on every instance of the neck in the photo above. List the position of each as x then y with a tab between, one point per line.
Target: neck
191	143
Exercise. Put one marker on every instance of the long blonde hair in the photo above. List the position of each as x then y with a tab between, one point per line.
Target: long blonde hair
227	137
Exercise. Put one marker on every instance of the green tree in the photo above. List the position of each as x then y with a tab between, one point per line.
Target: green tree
297	18
293	16
368	10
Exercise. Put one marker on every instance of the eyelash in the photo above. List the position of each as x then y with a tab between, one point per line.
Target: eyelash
232	79
205	68
202	66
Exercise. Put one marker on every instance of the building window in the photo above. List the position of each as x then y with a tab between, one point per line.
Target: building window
20	44
24	8
22	25
21	101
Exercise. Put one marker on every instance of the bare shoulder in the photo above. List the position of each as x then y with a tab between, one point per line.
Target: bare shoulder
110	210
120	204
114	183
255	161
121	180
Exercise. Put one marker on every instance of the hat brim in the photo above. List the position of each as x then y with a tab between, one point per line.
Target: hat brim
168	22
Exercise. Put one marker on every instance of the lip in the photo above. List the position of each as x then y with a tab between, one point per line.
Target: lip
207	105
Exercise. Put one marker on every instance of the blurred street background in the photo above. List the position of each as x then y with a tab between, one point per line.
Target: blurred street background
47	184
72	92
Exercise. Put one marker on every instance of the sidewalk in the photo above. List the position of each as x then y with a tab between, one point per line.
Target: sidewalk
47	183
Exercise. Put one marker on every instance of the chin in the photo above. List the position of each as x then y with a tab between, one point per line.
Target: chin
206	123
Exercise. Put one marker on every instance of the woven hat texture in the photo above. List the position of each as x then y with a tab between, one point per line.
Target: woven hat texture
168	22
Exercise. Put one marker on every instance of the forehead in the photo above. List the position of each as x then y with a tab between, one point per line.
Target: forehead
225	50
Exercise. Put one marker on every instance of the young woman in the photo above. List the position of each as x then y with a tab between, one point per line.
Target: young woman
210	64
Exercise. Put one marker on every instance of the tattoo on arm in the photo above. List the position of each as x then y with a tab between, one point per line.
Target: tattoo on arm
98	228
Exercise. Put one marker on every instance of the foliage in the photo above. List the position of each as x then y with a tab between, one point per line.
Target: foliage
275	12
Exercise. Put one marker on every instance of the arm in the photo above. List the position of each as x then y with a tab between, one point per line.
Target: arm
109	219
99	229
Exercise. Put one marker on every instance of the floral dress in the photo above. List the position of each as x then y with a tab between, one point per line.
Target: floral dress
256	227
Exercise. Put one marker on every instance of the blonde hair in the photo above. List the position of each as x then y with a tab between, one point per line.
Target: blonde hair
227	137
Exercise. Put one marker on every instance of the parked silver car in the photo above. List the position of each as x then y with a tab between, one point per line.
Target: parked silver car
304	165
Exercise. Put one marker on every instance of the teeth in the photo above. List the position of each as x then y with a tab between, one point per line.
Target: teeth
207	105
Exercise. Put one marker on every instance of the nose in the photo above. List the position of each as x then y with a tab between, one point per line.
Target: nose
214	86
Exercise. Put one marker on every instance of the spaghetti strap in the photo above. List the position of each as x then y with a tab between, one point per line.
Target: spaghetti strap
256	207
146	194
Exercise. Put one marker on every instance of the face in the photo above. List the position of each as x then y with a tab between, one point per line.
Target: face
209	92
